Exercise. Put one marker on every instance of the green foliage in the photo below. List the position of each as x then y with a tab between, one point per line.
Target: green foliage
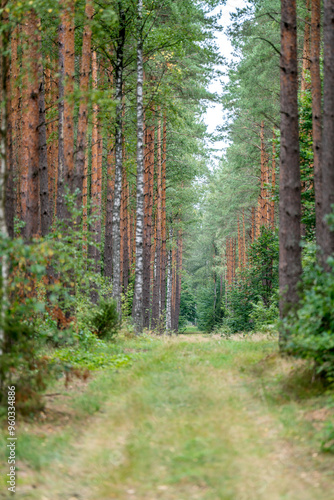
210	311
310	329
96	358
252	300
105	320
264	318
188	312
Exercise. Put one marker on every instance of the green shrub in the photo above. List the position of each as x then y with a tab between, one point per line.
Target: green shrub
105	320
310	330
264	318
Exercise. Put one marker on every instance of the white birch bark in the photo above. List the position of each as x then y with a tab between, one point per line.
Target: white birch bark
137	311
116	254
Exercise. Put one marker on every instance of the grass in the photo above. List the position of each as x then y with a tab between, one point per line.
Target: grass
211	419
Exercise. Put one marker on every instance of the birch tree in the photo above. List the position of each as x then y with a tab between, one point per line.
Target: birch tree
138	289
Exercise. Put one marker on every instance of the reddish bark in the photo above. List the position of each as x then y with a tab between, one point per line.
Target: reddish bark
83	111
30	120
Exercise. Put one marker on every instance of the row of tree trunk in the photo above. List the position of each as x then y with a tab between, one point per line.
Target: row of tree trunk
52	152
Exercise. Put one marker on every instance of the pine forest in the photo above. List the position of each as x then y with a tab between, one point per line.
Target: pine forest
167	249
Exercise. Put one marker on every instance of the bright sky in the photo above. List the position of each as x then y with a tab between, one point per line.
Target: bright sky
214	115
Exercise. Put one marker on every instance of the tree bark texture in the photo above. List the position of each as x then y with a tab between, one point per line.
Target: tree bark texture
65	123
30	121
109	211
137	309
156	297
116	256
327	153
316	113
96	182
290	187
43	159
305	85
148	205
163	218
83	108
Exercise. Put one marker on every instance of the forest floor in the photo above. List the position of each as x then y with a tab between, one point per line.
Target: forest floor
192	417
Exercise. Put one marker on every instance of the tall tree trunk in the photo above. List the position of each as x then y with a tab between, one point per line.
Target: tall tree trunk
178	279
306	50
316	113
109	211
273	183
96	177
124	235
156	302
244	256
239	246
30	122
327	153
83	108
65	123
43	159
148	192
4	41
290	188
116	257
16	122
52	139
174	276
163	218
137	309
169	283
10	154
263	218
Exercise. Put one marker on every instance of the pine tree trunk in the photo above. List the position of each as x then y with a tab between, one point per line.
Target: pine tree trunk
43	160
178	280
163	218
15	100
327	154
65	123
109	211
290	187
244	256
273	183
116	257
85	204
125	257
239	246
30	121
94	251
316	113
156	302
10	153
263	179
306	50
4	42
148	192
83	108
52	139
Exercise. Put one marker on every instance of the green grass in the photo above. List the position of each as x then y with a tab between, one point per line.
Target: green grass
211	419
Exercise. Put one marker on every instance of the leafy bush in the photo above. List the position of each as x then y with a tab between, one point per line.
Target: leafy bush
310	330
105	320
264	318
253	296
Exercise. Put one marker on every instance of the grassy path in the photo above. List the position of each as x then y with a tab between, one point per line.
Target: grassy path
192	420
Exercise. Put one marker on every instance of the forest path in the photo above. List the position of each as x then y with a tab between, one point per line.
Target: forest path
194	418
